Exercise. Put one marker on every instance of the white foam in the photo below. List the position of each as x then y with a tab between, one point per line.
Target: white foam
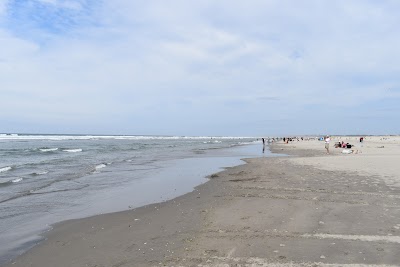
17	180
5	169
73	150
48	149
43	172
100	166
212	141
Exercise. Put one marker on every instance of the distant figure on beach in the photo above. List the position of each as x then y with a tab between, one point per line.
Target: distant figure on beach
327	141
263	140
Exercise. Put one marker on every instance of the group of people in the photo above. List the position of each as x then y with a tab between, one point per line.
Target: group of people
285	140
341	144
292	139
326	139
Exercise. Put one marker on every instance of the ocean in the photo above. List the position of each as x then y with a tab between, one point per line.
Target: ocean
46	179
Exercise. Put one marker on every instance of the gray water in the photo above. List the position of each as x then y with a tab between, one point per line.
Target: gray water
48	179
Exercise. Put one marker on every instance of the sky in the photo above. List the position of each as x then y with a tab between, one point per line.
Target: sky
201	67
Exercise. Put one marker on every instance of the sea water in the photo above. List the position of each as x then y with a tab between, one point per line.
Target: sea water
46	179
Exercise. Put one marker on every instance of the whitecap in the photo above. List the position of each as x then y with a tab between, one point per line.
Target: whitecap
73	150
100	166
17	180
48	149
5	169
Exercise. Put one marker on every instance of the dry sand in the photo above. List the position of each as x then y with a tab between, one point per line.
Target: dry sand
377	155
309	209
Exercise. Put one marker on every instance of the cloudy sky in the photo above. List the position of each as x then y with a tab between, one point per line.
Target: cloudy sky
204	67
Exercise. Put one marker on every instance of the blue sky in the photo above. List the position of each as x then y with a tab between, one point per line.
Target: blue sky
258	67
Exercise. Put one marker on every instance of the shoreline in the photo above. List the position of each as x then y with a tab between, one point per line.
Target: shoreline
266	212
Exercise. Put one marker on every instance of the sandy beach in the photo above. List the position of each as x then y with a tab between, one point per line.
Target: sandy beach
306	209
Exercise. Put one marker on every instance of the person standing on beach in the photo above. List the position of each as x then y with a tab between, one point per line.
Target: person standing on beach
263	140
327	141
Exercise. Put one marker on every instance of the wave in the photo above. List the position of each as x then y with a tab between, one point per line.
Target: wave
10	182
57	186
73	150
3	134
100	166
212	142
48	149
4	169
123	137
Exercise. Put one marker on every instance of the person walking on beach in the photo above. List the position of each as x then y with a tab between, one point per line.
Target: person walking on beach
327	141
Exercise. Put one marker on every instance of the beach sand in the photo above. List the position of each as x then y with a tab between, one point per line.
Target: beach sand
307	209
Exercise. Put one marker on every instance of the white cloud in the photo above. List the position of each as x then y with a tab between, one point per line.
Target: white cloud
133	59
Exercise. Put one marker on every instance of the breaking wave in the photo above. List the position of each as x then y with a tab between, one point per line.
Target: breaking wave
4	169
48	149
73	150
17	180
10	182
100	166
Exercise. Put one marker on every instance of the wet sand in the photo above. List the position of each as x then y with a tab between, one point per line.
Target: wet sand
291	211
